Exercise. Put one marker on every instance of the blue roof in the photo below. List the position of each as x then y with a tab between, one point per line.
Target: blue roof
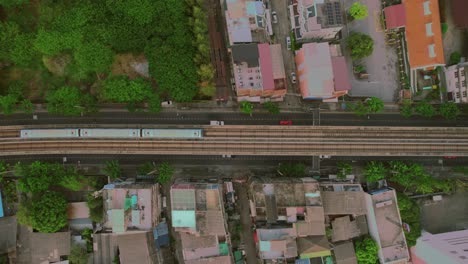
1	205
161	235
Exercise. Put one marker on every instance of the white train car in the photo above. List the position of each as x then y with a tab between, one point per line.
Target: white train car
50	133
172	133
110	133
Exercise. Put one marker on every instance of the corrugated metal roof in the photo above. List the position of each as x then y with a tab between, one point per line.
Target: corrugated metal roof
184	219
265	245
340	73
395	16
118	220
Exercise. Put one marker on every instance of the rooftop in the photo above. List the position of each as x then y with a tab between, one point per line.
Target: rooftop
78	210
313	246
345	202
8	229
395	16
48	247
344	229
344	253
385	225
423	33
137	248
450	247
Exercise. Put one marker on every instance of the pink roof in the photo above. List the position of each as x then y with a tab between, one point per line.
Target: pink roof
340	73
414	258
395	16
266	66
78	210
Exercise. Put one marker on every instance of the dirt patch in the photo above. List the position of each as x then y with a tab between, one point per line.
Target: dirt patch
133	66
57	65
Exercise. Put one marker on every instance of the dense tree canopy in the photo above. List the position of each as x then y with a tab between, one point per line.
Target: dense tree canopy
94	57
425	109
358	11
112	169
366	251
121	89
12	3
46	213
361	45
449	110
375	171
67	101
410	214
165	173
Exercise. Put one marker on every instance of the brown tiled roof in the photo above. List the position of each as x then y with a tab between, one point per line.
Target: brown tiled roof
459	11
344	229
137	248
344	253
49	246
211	222
312	244
341	203
196	247
213	260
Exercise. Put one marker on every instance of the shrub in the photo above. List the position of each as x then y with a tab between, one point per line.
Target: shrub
358	11
361	45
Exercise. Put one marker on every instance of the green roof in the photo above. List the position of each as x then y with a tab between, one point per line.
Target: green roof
128	203
223	249
237	255
117	220
184	219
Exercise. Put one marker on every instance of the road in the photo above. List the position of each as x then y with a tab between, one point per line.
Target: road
231	118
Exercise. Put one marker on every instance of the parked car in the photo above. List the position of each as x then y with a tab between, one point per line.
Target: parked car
274	17
293	77
288	43
286	122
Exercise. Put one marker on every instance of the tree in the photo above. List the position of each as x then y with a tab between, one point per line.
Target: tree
400	173
47	214
406	109
246	107
375	171
78	255
12	3
21	53
38	176
96	207
165	173
425	109
65	100
455	57
122	90
344	168
27	106
361	45
410	214
52	43
366	251
358	11
72	180
94	57
141	11
8	103
272	108
374	105
449	110
112	169
292	169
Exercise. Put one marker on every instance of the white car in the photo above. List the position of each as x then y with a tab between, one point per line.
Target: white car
293	77
288	43
274	17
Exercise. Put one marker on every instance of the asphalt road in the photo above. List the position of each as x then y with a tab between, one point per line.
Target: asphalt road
203	118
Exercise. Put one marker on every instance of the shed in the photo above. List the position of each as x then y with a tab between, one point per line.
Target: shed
395	16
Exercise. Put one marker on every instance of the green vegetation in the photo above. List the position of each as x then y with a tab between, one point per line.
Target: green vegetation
361	45
165	173
371	105
375	171
39	176
272	108
455	58
344	168
87	235
425	109
7	185
461	169
406	109
410	214
78	255
246	107
358	11
449	110
112	169
366	251
444	27
82	44
292	169
46	213
95	208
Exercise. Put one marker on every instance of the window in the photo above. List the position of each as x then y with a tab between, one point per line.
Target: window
456	74
311	11
457	84
429	32
464	93
427	8
462	72
431	50
463	83
458	94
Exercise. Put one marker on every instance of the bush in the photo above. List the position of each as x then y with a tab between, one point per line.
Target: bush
444	27
292	169
358	11
272	108
361	45
425	109
96	208
375	171
455	58
449	110
406	109
410	214
246	107
366	251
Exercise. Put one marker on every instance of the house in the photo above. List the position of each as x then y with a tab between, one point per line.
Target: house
316	19
344	203
78	216
131	206
459	8
105	246
258	72
8	230
198	217
137	247
247	21
344	253
289	217
49	247
385	226
421	22
321	76
343	228
447	248
456	83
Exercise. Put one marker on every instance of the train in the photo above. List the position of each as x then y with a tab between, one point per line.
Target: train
112	133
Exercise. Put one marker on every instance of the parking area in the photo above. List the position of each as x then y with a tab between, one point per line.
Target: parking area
381	65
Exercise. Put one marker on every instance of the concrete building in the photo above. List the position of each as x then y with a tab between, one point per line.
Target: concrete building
321	76
344	253
129	206
8	231
49	247
78	216
258	72
456	83
424	48
198	217
316	19
385	226
446	248
247	21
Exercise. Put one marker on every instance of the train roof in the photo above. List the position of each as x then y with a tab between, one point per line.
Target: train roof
110	132
50	133
173	133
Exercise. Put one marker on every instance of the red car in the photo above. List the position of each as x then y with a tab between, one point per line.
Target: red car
286	122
